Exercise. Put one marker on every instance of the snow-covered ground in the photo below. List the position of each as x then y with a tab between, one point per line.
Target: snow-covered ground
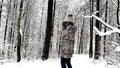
78	61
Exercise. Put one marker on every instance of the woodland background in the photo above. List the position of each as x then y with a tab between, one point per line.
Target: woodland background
30	29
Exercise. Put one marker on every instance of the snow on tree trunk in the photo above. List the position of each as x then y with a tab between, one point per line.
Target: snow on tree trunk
18	32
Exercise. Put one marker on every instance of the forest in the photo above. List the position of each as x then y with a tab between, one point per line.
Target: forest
30	29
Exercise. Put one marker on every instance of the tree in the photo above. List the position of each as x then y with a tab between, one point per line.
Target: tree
118	13
6	27
49	30
14	21
118	23
105	28
82	45
25	37
18	32
97	37
91	31
54	8
1	5
7	21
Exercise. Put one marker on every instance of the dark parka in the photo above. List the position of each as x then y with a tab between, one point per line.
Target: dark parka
67	41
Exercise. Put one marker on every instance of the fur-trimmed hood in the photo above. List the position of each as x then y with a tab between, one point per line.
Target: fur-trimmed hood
69	18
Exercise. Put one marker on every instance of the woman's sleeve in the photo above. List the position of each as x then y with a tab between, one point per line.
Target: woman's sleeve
60	39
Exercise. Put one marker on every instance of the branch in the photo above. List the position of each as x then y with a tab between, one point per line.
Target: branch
115	43
102	21
114	30
114	3
117	25
103	33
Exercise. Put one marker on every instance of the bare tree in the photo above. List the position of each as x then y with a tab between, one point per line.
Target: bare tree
97	37
105	28
18	32
49	30
54	8
118	2
13	24
25	37
7	20
91	31
6	26
118	23
1	5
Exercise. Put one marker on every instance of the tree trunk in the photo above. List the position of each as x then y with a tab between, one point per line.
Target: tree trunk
97	37
118	14
13	26
54	8
18	32
6	28
7	20
118	2
81	45
1	5
91	31
25	37
105	28
49	30
42	14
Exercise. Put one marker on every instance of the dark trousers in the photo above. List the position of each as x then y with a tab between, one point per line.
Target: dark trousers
66	63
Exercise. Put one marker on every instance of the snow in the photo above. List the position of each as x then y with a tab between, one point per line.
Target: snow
78	61
117	48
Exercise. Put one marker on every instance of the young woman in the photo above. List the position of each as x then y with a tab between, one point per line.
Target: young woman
67	42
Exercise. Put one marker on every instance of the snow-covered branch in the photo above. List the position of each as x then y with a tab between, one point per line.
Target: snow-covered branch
103	33
115	43
102	22
114	3
113	30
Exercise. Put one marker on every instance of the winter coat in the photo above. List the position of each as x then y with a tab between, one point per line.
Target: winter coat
67	41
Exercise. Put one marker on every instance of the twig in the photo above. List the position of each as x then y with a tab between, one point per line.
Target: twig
114	3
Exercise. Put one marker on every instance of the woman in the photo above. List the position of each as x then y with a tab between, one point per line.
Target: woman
67	41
